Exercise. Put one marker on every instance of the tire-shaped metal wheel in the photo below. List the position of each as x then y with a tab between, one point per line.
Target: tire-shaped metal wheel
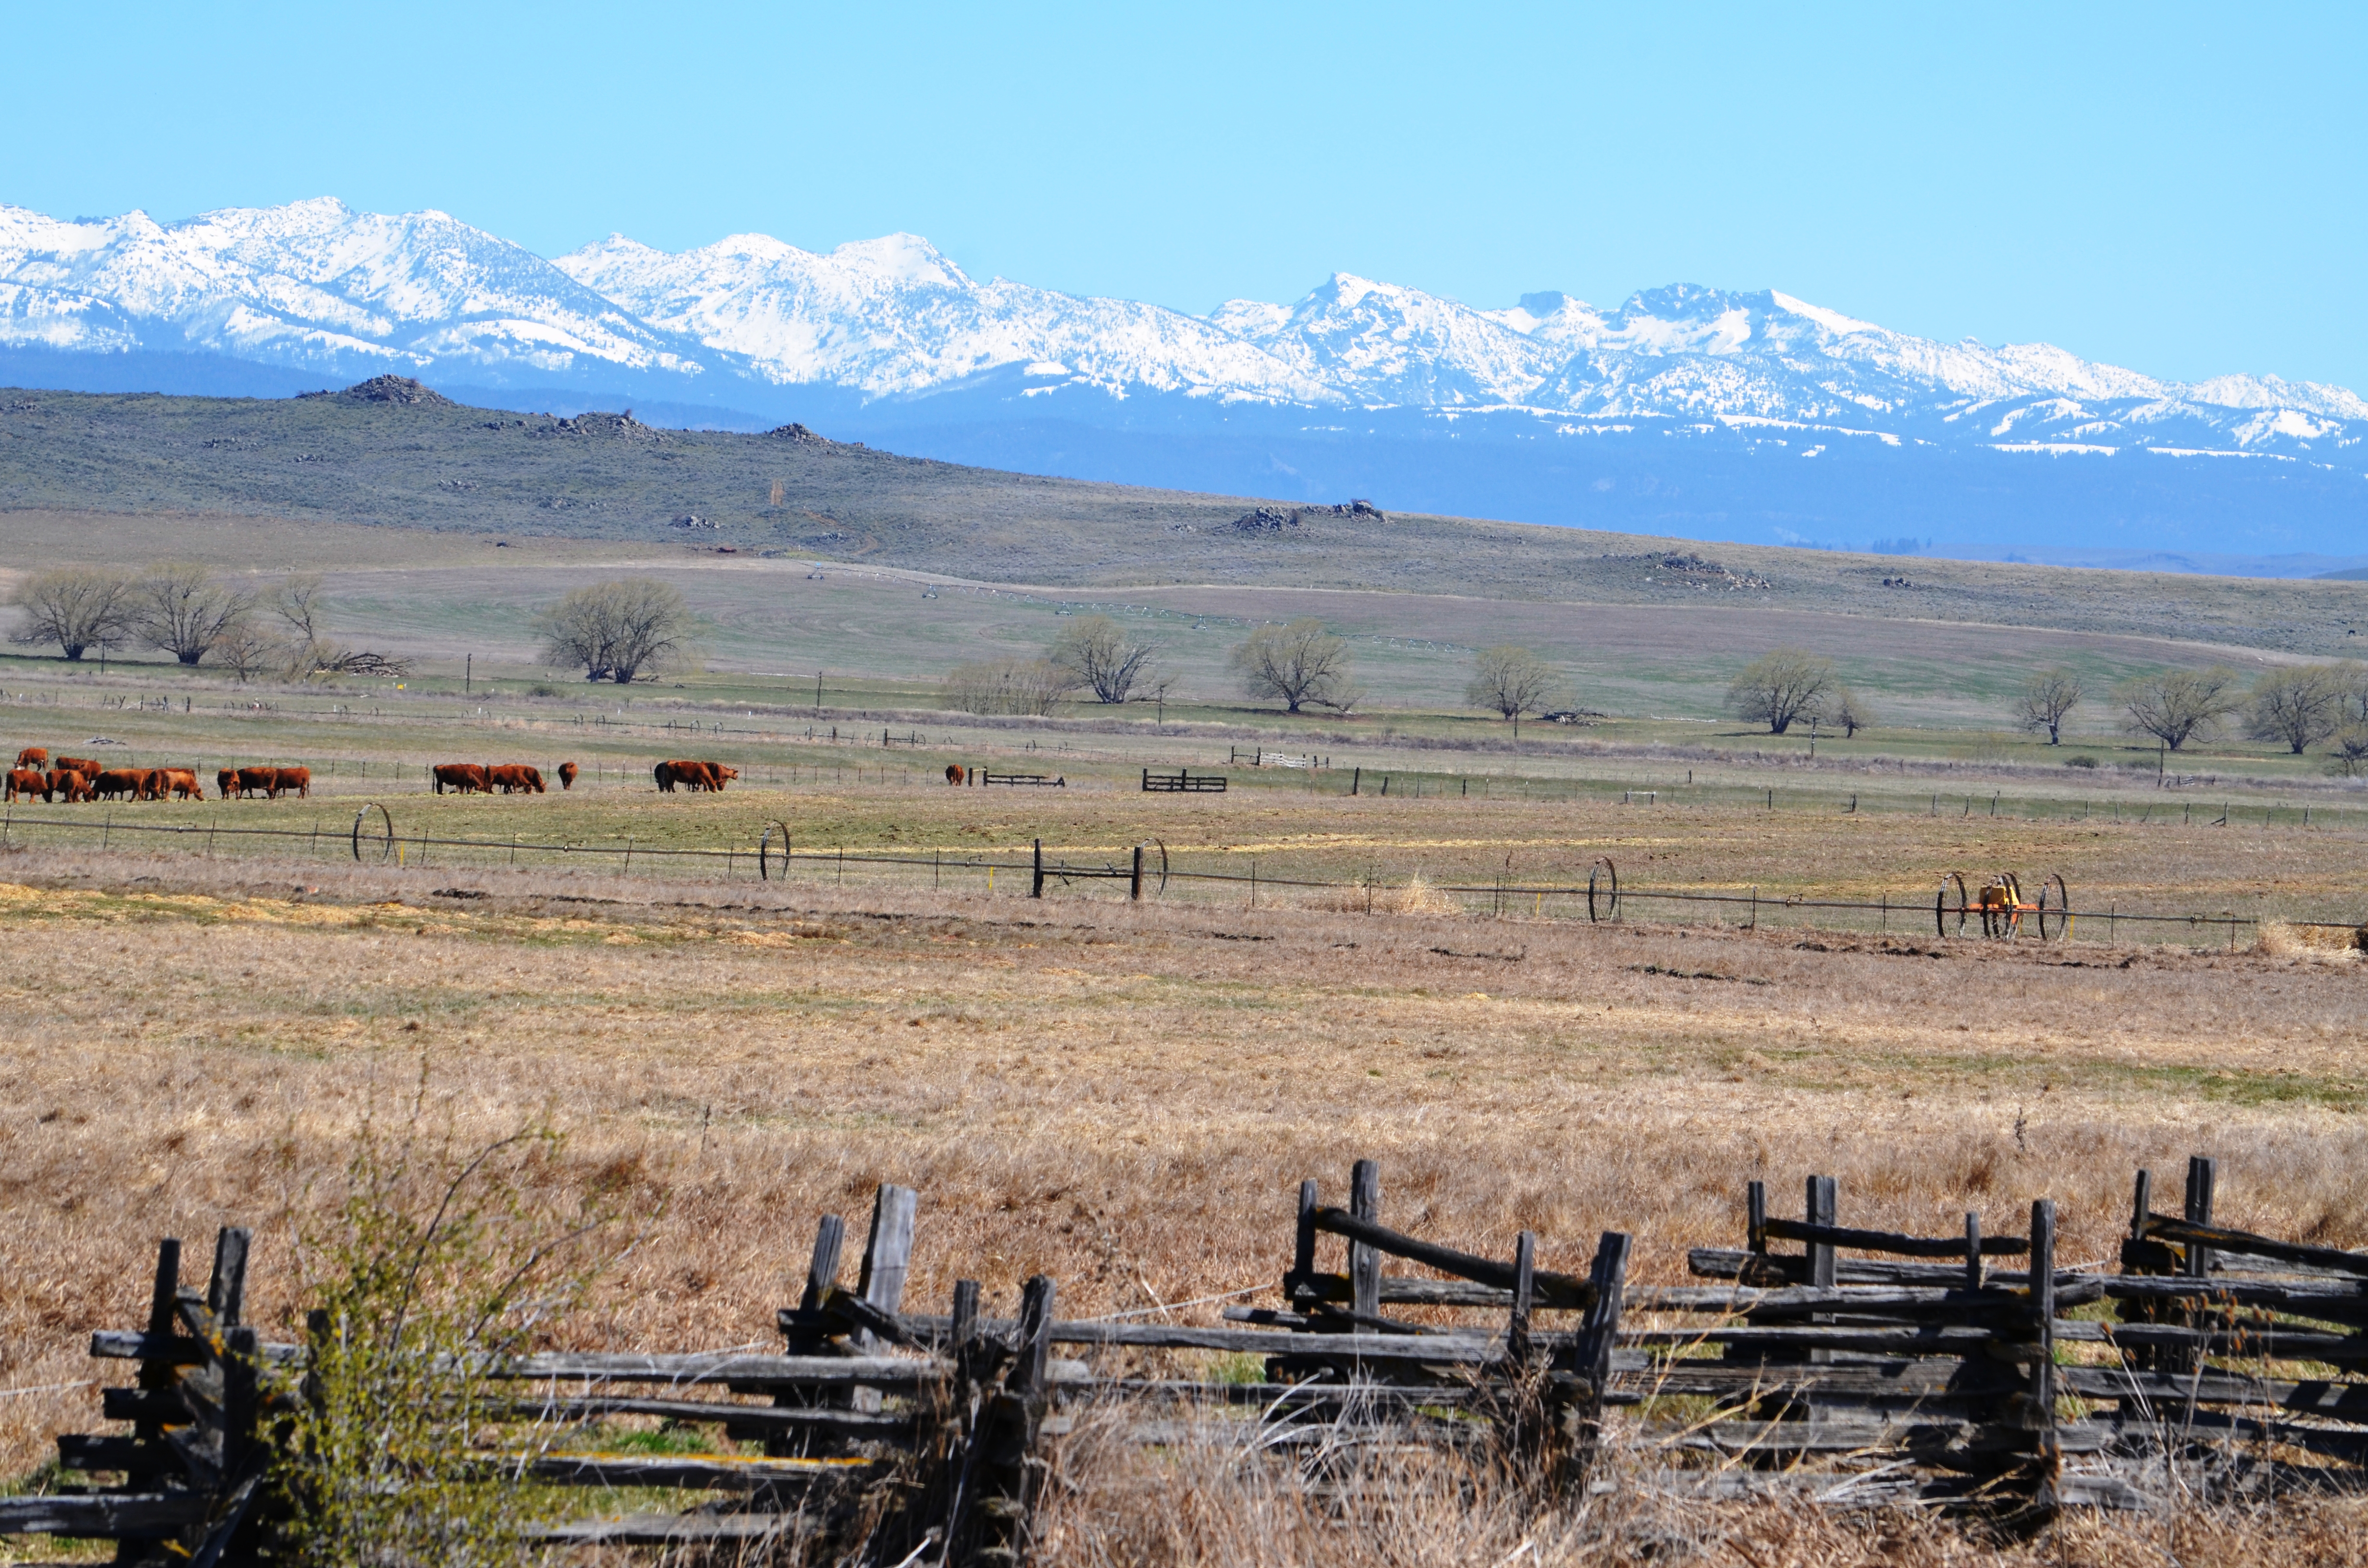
775	833
1943	909
1162	848
1603	884
376	837
2054	909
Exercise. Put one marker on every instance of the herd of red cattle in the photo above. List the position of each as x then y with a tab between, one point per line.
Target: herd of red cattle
81	779
85	779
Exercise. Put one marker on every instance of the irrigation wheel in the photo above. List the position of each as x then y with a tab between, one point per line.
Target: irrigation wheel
1162	847
1604	877
773	830
2054	904
1941	910
379	835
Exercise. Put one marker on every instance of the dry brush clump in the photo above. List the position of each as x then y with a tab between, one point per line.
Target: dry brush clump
2282	939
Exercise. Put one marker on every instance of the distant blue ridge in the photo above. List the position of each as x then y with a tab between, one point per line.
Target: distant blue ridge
2132	510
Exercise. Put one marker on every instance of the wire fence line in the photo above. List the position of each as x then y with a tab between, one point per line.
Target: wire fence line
772	857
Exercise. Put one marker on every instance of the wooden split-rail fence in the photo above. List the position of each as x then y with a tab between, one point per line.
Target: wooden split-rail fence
1183	781
1847	1364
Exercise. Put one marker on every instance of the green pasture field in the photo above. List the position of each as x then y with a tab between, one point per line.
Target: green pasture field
1678	807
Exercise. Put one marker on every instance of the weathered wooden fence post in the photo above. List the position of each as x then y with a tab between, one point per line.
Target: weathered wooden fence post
1009	1472
1580	1381
1365	1260
1036	889
2039	1408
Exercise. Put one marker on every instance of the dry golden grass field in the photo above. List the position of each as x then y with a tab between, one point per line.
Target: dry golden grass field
1125	1096
198	1025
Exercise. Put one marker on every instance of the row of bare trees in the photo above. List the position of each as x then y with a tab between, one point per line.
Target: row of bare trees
2296	705
182	608
1299	664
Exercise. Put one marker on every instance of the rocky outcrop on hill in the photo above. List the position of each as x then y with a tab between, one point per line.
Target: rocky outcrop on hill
593	423
1266	520
1274	519
799	433
1691	571
395	389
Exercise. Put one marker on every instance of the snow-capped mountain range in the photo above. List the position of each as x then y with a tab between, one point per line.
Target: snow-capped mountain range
889	326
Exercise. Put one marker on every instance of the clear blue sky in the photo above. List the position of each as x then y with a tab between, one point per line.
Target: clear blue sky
2172	187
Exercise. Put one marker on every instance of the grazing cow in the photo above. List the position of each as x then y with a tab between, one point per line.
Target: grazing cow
183	784
462	778
226	783
33	756
297	778
88	767
24	783
517	778
954	774
693	775
73	786
263	779
114	783
568	775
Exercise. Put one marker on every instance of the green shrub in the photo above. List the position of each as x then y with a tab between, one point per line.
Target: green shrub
436	1263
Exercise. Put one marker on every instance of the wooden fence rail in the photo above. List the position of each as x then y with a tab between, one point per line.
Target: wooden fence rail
1912	1364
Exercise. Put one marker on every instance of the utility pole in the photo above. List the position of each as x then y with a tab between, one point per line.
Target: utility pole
468	672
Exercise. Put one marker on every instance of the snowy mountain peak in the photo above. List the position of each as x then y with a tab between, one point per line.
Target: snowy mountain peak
316	285
907	259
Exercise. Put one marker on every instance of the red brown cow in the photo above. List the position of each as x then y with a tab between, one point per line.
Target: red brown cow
954	774
297	778
693	775
33	756
568	775
182	784
263	779
73	786
517	778
114	782
463	777
87	767
226	783
24	783
155	784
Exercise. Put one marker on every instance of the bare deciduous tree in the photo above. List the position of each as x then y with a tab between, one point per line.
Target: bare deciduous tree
1296	663
1099	652
245	648
179	608
1780	688
1510	681
2351	680
1848	711
617	630
307	651
2178	705
2045	698
1031	687
2298	707
77	608
2351	750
